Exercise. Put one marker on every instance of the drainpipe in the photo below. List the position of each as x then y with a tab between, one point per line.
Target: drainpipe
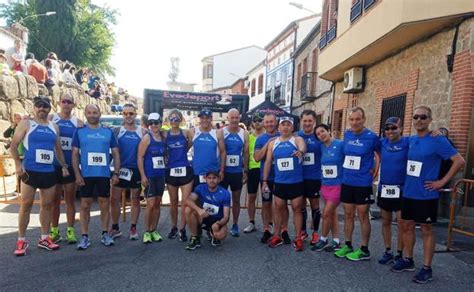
333	97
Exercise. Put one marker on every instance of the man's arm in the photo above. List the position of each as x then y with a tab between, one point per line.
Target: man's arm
268	163
226	217
259	154
116	157
246	152
18	137
222	154
458	163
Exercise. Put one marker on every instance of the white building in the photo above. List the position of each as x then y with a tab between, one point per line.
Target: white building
255	82
223	69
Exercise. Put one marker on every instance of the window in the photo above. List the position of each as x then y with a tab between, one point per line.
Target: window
319	119
305	65
337	124
209	71
392	107
260	84
252	88
298	76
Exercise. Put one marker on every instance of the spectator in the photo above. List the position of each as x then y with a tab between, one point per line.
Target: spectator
68	75
4	68
28	59
53	75
97	91
38	71
18	66
15	50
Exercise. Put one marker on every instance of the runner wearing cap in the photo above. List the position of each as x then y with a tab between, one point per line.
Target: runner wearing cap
287	153
128	136
179	173
208	207
67	124
421	191
208	149
236	142
151	164
253	179
91	147
311	173
359	171
261	146
332	158
393	157
42	146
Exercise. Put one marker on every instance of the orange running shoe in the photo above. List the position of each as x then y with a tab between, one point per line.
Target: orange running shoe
314	238
298	244
47	244
21	247
275	241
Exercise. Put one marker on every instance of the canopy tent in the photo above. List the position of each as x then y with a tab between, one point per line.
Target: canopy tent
269	107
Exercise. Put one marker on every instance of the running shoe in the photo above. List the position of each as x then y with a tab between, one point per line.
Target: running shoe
55	237
194	243
234	231
397	257
107	239
314	238
114	233
250	228
403	265
47	244
334	246
173	233
275	241
358	255
156	236
71	235
182	235
266	236
341	253
298	244
286	238
208	235
133	233
320	245
304	235
21	247
147	237
423	276
84	243
215	242
386	258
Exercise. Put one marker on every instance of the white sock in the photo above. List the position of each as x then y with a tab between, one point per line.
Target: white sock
323	238
336	240
44	236
22	238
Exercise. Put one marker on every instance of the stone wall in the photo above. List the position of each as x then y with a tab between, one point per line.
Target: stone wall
17	93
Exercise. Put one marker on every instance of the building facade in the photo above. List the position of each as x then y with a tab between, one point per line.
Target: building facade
310	91
279	75
255	84
410	53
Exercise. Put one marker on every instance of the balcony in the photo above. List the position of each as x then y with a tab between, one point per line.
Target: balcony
268	94
279	96
383	28
331	34
308	86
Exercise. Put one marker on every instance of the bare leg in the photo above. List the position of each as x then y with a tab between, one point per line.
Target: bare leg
135	202
267	214
173	193
363	213
251	199
27	199
193	221
297	206
400	231
408	237
85	214
280	206
387	228
328	218
156	213
56	206
349	213
115	199
185	192
47	197
70	199
104	206
236	206
150	204
219	232
429	244
335	224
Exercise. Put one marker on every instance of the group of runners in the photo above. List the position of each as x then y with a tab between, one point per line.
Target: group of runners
284	166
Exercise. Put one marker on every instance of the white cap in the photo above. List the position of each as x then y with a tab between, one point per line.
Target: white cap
286	119
154	116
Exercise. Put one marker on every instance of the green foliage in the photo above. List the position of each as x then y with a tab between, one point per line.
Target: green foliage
80	32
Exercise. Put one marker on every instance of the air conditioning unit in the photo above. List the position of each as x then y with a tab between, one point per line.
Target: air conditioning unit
354	80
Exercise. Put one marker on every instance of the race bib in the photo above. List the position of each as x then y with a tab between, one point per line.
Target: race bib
66	143
352	162
285	164
232	160
125	174
329	171
414	168
202	179
44	156
390	192
158	162
96	159
308	159
211	209
178	172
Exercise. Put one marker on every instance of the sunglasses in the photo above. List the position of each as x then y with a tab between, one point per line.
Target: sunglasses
66	101
42	105
128	114
154	122
175	119
391	128
257	120
420	117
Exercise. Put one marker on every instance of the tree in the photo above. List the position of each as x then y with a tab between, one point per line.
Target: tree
80	32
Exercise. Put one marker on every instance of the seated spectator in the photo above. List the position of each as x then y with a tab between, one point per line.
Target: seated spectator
18	66
4	68
53	75
15	50
54	61
38	71
97	91
68	75
28	59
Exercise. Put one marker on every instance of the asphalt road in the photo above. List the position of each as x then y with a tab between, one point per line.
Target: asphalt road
239	264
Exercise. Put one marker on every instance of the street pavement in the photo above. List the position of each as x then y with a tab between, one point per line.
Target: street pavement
239	264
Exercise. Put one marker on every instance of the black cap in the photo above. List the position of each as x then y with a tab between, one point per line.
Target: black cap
41	100
393	121
258	117
214	172
205	112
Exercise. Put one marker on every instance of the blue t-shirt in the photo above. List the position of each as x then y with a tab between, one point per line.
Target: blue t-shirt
234	147
177	150
213	202
39	143
154	160
359	157
332	158
206	152
424	160
312	158
288	168
393	162
128	142
66	132
261	141
95	145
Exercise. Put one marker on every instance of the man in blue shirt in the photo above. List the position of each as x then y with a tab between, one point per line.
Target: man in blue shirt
208	207
94	143
421	191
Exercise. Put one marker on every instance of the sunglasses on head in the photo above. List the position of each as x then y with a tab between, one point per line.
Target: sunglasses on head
391	128
154	122
175	119
420	117
42	105
128	114
67	101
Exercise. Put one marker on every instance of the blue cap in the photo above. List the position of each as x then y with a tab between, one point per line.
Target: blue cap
393	121
205	112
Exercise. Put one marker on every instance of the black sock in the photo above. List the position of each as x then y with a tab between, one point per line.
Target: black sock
305	218
316	214
252	221
388	249
271	224
349	244
133	226
85	235
409	259
115	226
365	248
104	232
400	253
